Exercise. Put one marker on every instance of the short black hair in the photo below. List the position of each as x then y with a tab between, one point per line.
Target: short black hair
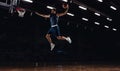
54	9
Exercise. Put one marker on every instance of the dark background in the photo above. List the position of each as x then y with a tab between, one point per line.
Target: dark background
23	39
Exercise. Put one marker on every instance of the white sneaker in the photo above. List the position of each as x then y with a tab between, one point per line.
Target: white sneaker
52	46
69	40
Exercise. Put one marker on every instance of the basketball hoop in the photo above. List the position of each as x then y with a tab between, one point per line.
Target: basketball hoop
21	12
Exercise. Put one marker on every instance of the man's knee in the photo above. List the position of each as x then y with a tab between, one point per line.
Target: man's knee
59	37
47	36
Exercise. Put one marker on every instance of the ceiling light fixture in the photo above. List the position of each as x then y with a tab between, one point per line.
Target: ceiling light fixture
85	19
81	7
112	7
30	1
70	14
97	23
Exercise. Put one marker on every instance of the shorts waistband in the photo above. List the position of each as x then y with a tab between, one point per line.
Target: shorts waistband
54	25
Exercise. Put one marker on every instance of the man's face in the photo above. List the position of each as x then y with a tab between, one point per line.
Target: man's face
53	11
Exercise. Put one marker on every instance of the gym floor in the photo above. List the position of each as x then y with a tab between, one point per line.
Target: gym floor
65	68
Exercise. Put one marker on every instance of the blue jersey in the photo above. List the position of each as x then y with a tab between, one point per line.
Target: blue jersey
53	19
54	30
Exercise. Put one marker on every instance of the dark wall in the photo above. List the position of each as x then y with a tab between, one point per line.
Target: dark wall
23	39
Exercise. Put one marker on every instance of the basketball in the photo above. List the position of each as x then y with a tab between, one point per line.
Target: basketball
65	6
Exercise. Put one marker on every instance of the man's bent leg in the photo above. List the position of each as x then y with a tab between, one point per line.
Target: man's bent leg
64	38
52	45
48	38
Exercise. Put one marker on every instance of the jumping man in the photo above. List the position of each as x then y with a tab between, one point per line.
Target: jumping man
54	30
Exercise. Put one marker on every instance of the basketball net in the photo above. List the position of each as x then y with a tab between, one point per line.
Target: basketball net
21	12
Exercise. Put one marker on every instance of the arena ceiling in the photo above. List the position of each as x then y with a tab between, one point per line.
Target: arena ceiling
99	14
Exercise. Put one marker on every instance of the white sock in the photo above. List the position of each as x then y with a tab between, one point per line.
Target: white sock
51	43
65	38
68	39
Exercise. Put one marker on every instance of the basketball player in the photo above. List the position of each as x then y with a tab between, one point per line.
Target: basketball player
54	30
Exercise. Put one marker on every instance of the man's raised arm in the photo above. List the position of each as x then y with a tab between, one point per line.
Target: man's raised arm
42	15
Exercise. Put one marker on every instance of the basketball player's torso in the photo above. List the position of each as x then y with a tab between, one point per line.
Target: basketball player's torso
54	19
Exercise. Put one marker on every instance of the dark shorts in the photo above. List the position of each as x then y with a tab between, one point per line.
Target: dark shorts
54	31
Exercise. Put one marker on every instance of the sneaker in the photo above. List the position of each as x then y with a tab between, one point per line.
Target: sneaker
69	40
52	46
